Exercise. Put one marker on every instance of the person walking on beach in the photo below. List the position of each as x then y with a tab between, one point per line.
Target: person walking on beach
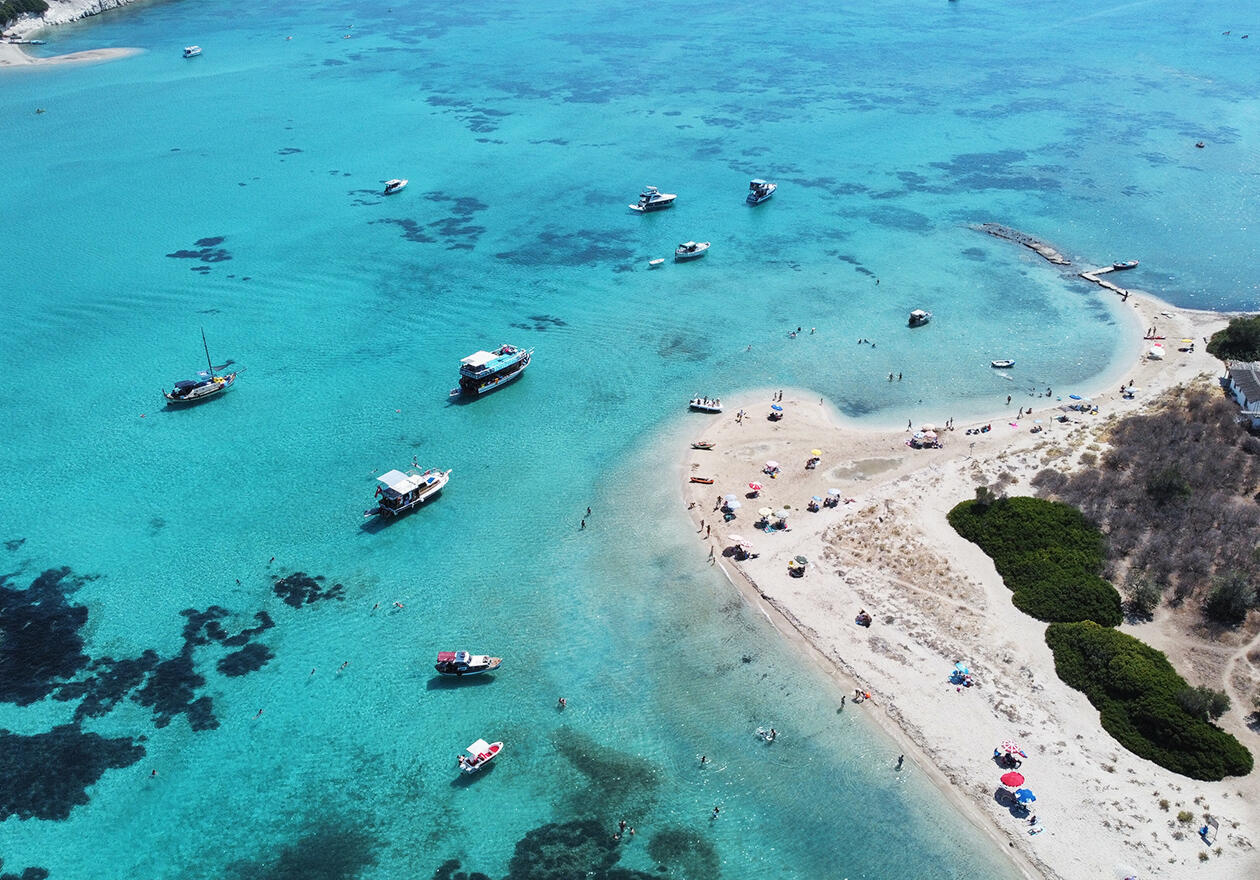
843	697
708	531
909	424
1008	400
901	759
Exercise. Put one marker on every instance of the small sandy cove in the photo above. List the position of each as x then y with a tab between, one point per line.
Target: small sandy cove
13	55
935	599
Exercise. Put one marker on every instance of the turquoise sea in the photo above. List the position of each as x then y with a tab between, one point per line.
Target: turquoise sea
141	625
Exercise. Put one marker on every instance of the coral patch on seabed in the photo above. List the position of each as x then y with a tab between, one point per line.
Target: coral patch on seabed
47	775
40	645
300	589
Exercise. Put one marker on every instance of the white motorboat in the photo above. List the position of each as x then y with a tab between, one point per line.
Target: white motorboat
652	199
393	186
1002	364
192	51
919	317
759	191
400	492
482	754
689	250
706	404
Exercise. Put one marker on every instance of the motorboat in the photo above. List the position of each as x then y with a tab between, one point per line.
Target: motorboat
192	51
400	492
482	753
1002	364
919	317
208	383
689	250
393	186
1125	264
759	191
460	663
706	404
703	444
652	199
484	371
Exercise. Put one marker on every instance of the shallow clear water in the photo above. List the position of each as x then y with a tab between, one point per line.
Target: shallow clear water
524	130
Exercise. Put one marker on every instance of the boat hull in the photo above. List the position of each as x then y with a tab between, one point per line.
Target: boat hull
453	669
1002	365
211	392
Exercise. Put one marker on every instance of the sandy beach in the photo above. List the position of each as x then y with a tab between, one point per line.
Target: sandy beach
13	56
935	599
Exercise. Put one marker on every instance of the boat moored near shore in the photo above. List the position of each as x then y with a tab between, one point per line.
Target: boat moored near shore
1121	265
482	754
919	317
706	404
484	371
400	492
1002	363
689	250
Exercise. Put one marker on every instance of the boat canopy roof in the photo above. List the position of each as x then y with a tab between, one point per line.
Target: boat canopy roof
757	182
479	359
403	483
478	748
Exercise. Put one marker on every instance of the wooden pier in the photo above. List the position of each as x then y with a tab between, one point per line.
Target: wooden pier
1028	241
1092	275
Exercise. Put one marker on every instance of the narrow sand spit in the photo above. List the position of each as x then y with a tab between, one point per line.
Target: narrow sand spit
935	599
13	56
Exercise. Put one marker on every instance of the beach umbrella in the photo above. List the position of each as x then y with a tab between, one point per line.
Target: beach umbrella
815	498
772	464
776	407
815	452
1074	396
755	486
1012	779
927	427
802	560
834	493
765	511
733	505
1025	796
1008	746
929	435
961	669
1187	340
731	497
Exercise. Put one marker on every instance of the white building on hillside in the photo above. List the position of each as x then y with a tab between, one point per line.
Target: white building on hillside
1243	381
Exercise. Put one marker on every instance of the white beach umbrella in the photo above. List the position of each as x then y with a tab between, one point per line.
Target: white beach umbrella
782	514
731	497
834	493
733	505
927	427
766	511
772	464
735	539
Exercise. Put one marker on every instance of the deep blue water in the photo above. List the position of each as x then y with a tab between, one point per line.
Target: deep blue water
525	128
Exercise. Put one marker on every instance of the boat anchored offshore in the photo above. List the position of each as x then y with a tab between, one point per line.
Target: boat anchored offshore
1002	364
484	371
919	317
400	492
393	186
759	191
652	199
706	404
208	383
192	51
482	754
461	663
1124	264
689	250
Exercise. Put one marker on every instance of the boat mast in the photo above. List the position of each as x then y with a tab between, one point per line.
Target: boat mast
206	346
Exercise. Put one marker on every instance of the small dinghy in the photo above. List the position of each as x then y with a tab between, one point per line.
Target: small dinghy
393	186
1124	264
1003	364
708	481
657	263
702	444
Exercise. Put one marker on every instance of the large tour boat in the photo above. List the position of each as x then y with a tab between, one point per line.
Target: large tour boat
759	191
207	384
463	663
400	492
482	754
652	199
484	371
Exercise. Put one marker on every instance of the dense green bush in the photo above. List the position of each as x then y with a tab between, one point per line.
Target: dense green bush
1238	341
1139	699
11	9
1231	598
1048	554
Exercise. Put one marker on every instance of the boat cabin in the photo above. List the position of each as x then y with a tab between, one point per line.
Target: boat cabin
919	317
480	364
399	491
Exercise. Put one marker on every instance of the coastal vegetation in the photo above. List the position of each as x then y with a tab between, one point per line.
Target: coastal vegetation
1047	553
12	9
1176	495
1237	341
1145	704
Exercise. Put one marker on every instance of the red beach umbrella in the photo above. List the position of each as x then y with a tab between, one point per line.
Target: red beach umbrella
1008	746
1013	779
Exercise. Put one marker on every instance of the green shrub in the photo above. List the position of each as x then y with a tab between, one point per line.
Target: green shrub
1144	598
1238	341
1048	554
1138	697
1203	702
1231	598
11	9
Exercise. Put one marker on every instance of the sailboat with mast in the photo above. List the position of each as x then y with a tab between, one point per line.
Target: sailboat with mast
209	382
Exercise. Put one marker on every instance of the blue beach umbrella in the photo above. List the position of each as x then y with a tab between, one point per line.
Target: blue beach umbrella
1025	795
776	407
962	670
1074	396
816	498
